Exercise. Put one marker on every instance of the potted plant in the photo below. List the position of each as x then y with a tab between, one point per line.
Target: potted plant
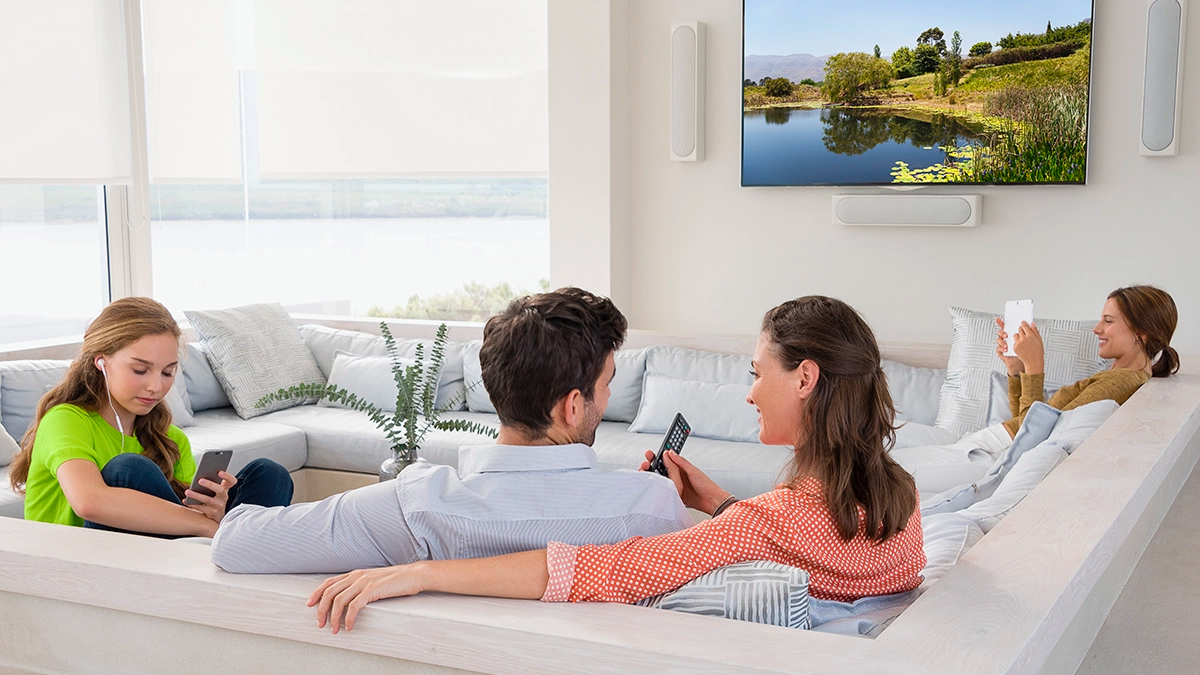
416	412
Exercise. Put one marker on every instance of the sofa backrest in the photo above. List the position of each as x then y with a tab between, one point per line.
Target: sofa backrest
22	385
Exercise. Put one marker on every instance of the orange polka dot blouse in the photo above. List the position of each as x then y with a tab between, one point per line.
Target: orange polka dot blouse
790	526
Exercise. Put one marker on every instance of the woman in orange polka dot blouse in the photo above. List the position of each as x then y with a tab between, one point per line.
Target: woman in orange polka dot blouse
847	514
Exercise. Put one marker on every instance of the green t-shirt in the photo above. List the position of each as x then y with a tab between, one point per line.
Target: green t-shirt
69	432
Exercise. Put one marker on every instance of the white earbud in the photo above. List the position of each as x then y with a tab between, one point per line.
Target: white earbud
120	427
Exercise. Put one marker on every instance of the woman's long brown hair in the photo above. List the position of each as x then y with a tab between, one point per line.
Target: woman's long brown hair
1151	314
121	324
848	424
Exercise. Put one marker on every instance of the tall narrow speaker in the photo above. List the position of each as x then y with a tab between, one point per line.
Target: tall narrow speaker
687	92
1162	88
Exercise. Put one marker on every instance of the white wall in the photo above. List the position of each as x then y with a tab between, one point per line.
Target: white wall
710	256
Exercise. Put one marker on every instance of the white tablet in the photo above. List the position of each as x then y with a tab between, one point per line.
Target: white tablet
1016	311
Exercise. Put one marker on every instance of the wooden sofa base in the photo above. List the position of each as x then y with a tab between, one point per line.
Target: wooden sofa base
315	484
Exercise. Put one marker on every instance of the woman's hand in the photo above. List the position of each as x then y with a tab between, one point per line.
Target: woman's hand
695	489
349	593
1013	363
1027	343
212	507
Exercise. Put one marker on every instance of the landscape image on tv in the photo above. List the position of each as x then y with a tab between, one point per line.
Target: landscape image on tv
880	92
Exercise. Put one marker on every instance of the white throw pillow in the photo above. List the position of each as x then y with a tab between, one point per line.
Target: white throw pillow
915	391
324	343
1025	475
1076	425
999	411
948	537
692	364
254	351
203	390
8	448
368	377
625	389
713	410
913	434
1072	354
176	400
477	397
22	385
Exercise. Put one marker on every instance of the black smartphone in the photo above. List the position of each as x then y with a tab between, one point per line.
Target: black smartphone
676	436
211	462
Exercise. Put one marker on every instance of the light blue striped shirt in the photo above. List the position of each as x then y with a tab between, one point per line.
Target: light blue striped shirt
502	499
505	498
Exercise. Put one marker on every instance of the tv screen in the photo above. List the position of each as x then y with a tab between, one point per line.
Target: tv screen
880	92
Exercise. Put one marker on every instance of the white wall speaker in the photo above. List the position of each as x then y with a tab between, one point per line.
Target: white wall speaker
908	210
1162	88
687	92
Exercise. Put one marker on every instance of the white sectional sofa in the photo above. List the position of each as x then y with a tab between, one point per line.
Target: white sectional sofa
330	439
1027	598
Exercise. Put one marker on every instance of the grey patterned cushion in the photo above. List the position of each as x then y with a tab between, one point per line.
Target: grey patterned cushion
255	350
759	591
1072	354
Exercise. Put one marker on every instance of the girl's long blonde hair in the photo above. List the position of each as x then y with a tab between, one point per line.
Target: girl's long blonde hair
121	324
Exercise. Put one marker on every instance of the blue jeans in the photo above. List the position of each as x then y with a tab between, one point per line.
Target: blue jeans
262	482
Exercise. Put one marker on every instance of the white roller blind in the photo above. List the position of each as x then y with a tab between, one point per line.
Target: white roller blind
364	88
192	104
64	83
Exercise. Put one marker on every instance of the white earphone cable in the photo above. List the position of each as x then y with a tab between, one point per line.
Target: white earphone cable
120	427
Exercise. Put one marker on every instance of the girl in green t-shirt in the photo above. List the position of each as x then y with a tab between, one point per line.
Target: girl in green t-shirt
102	451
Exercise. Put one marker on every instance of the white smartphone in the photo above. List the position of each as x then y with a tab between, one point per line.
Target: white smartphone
1016	311
211	462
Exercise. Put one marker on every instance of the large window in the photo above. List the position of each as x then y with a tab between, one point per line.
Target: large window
374	157
53	260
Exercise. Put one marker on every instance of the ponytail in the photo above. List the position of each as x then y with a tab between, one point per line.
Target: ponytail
1167	363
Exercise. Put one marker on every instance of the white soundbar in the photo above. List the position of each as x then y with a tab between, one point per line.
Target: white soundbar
908	210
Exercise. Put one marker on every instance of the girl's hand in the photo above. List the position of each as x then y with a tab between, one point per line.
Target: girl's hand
349	593
1013	363
213	507
1027	343
695	489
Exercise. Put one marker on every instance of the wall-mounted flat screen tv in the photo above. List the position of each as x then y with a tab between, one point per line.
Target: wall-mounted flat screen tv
880	92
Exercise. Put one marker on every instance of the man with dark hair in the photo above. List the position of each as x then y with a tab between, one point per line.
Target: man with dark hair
547	363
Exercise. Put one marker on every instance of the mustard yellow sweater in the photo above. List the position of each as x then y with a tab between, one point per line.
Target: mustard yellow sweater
1025	389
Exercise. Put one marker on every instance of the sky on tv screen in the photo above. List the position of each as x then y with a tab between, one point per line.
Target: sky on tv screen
865	92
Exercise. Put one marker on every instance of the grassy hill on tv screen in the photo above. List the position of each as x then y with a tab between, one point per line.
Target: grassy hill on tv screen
867	92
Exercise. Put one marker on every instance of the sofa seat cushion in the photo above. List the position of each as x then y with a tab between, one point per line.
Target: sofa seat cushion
222	429
345	440
12	504
745	469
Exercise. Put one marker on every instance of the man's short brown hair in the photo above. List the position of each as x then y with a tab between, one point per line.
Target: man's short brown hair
541	347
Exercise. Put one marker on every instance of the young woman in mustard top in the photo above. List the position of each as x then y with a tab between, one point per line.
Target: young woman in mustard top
102	451
1135	330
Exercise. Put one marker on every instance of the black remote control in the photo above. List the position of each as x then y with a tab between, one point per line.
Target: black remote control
676	436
